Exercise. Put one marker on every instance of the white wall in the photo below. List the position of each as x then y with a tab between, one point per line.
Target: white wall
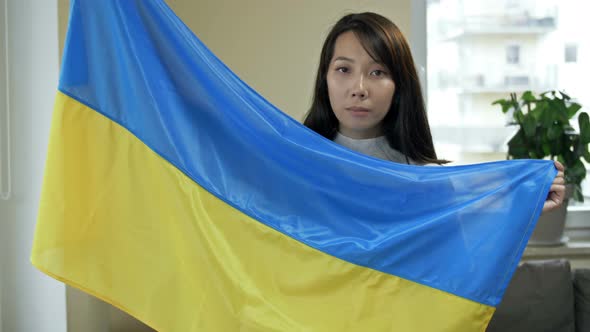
417	40
29	300
3	157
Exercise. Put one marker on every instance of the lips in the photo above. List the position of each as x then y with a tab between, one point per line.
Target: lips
358	110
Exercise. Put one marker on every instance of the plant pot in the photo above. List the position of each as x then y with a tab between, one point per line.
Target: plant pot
550	227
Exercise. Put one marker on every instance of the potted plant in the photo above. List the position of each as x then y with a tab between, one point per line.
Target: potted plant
544	131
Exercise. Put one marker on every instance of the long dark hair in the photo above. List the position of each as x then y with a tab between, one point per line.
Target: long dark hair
405	126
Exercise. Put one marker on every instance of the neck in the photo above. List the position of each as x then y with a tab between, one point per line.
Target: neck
361	134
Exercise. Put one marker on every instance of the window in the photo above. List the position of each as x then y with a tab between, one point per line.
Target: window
571	53
482	50
513	54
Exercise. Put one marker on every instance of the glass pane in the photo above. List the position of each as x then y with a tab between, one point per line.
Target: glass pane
482	50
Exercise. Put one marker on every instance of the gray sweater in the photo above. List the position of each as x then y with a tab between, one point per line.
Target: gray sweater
375	147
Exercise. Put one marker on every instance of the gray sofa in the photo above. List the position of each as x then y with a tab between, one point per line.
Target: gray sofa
545	296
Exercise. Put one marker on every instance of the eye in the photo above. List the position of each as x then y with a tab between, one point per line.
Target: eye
342	69
378	73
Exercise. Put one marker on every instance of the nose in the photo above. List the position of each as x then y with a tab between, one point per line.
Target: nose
359	88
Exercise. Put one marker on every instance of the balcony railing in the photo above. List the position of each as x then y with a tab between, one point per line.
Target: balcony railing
508	80
513	23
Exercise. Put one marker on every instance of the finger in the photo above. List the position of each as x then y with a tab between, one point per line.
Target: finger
557	188
558	180
549	206
558	165
557	193
554	200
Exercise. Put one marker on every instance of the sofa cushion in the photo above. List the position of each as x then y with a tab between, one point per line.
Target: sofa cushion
582	299
539	298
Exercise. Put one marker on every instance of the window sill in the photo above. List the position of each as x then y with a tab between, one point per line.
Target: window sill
576	249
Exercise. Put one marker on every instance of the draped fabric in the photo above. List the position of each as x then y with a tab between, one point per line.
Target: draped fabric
174	191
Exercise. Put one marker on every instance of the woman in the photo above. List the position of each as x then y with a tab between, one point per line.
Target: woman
367	96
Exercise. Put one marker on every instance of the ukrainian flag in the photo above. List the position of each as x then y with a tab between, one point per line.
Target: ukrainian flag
178	194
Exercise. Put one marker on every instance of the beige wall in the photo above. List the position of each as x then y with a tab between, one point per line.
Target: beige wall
273	45
63	11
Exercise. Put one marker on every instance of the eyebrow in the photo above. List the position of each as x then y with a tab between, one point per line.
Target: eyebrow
352	60
344	58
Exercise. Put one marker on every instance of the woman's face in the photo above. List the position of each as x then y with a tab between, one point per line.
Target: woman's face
360	89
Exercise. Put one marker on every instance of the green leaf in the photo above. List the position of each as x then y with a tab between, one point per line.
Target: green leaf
528	97
517	146
505	104
584	123
554	131
568	156
539	150
578	196
573	109
580	149
546	115
576	173
558	110
546	149
566	97
529	126
518	116
556	147
539	112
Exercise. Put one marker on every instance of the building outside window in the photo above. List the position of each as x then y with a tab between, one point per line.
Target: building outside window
513	54
571	53
482	50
